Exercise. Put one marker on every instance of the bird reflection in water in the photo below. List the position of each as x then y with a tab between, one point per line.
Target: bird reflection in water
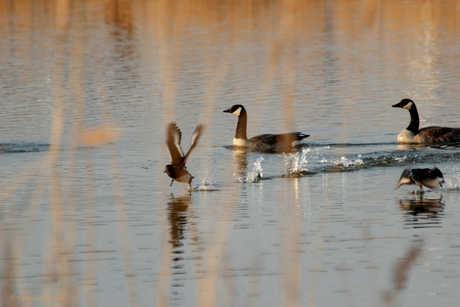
422	212
241	160
445	146
183	233
177	217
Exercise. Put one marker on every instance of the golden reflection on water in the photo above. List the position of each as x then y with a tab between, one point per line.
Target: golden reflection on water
64	32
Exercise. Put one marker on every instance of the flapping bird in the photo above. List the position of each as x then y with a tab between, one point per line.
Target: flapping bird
177	169
431	178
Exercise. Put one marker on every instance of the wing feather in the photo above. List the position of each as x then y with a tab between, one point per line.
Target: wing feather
193	142
438	134
173	138
276	141
405	178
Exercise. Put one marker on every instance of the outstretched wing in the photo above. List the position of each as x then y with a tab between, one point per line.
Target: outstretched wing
405	178
173	138
194	141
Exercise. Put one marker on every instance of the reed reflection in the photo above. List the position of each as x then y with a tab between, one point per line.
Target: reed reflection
422	212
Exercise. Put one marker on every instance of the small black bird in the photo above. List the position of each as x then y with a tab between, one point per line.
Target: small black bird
431	178
433	134
177	170
263	141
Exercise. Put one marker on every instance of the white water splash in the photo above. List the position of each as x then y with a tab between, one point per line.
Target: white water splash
345	162
206	184
452	180
296	162
256	173
400	159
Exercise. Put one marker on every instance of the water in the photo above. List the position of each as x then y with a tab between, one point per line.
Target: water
93	219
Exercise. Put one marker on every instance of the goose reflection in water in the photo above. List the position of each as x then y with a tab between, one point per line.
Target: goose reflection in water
241	160
422	212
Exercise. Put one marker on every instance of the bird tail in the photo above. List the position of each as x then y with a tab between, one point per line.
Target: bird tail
300	136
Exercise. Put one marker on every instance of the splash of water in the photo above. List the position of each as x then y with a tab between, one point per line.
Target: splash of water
256	173
399	159
345	162
206	184
296	162
452	180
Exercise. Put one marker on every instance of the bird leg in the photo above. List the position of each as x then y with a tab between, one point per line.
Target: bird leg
171	183
421	192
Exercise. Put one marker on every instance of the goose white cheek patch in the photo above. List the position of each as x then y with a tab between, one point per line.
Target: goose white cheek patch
408	106
237	112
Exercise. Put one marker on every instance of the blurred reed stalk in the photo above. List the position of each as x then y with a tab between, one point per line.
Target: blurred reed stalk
401	273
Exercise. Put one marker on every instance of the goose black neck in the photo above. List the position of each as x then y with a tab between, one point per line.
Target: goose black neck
414	120
241	126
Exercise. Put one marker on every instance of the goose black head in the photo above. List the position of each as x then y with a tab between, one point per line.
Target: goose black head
235	109
404	104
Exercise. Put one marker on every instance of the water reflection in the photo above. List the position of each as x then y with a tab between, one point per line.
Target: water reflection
413	146
19	147
144	63
177	217
241	159
445	146
422	212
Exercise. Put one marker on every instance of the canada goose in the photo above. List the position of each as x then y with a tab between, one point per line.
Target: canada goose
431	178
433	134
177	170
263	141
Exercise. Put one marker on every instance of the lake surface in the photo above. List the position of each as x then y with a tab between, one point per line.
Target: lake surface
88	216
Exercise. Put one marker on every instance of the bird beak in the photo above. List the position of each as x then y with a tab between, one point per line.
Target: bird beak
227	111
165	171
398	105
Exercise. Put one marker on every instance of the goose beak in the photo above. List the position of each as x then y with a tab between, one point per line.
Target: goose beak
398	105
227	111
165	171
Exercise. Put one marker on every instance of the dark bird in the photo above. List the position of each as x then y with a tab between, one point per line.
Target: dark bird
177	169
431	178
433	134
263	141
